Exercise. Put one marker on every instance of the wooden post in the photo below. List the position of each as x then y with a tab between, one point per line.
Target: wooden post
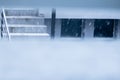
53	21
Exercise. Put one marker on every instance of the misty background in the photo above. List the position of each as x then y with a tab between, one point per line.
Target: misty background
63	59
109	4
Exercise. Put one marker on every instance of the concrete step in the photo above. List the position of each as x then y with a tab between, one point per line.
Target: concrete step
25	17
21	25
28	36
22	12
24	22
28	29
30	21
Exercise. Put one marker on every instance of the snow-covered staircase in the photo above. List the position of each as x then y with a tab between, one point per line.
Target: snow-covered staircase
23	23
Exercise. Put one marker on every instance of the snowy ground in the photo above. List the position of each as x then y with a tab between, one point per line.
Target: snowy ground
69	59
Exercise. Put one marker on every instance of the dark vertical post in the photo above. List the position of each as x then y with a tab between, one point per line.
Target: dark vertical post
53	20
1	25
115	29
83	28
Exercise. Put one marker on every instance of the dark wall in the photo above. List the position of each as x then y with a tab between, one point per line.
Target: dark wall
71	27
103	28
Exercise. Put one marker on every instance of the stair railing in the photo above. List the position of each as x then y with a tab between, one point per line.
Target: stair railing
5	22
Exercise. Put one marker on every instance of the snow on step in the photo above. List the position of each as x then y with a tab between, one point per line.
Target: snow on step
29	34
25	23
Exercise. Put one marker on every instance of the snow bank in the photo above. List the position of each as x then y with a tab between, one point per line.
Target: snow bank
65	59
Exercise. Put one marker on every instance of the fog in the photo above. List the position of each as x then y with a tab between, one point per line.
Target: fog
112	4
60	59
